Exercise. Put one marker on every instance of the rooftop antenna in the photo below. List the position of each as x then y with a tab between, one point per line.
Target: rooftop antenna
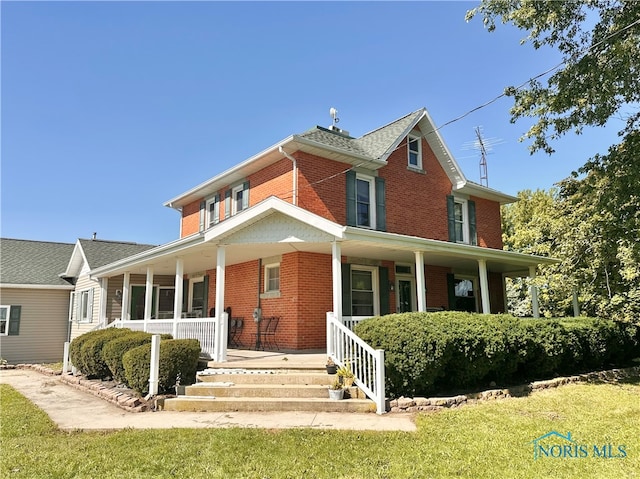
334	116
484	145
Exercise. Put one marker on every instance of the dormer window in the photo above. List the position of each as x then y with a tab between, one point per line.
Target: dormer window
414	152
236	199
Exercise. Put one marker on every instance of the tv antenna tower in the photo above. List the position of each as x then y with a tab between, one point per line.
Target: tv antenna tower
484	146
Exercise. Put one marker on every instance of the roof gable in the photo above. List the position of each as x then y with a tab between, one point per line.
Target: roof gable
96	253
27	262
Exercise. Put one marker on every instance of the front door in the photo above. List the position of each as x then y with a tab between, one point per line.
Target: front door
405	296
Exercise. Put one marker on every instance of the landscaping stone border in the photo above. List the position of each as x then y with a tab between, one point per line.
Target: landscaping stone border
421	404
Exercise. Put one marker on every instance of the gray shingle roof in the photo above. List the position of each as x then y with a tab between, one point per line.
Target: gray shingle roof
33	262
101	252
374	144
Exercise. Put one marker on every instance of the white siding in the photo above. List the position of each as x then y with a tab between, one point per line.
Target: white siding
43	325
78	328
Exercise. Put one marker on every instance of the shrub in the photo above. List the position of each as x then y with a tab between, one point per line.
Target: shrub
429	352
114	350
85	351
178	357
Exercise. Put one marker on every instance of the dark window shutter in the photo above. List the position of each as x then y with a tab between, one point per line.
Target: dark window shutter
346	289
351	198
451	290
185	295
245	195
205	300
227	204
14	321
381	207
384	290
451	219
473	235
203	206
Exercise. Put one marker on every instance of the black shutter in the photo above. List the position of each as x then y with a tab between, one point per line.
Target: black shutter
451	218
351	198
451	291
381	207
473	235
185	295
205	299
384	290
14	321
346	289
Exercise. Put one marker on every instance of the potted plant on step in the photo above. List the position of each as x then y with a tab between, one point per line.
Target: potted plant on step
336	392
331	366
345	375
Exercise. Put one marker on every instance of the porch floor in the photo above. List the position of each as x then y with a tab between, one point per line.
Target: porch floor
251	359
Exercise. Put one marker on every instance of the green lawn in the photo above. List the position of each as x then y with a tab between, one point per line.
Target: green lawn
484	441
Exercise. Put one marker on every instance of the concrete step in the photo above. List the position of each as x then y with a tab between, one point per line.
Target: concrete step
260	404
244	376
265	390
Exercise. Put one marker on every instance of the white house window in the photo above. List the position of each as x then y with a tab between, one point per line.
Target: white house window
196	295
213	211
272	278
85	305
238	201
4	319
414	152
365	203
461	221
364	294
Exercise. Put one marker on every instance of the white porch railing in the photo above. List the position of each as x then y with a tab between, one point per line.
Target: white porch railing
351	321
202	329
366	363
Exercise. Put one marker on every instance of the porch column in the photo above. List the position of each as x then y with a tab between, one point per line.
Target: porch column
179	292
336	268
124	312
148	296
220	347
421	290
104	287
484	286
534	293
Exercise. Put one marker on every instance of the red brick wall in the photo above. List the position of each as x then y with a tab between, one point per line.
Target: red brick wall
416	202
436	283
488	223
190	218
322	196
496	293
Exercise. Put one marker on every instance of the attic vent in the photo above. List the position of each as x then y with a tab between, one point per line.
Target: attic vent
339	131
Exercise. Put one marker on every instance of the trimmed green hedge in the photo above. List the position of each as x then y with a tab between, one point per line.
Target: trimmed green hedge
430	352
178	357
114	350
85	351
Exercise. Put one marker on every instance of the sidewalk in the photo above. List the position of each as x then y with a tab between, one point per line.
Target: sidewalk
73	409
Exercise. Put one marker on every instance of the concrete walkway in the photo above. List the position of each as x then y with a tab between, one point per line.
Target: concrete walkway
73	409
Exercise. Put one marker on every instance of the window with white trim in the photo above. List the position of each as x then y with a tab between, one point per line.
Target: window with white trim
414	151
213	211
85	305
364	291
5	314
461	220
365	201
237	195
272	278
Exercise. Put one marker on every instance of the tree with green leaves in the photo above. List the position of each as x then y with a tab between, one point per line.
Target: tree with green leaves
598	79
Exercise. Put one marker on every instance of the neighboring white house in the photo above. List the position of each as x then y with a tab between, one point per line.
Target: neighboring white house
34	300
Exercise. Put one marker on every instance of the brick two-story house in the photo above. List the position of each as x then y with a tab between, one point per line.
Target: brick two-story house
321	221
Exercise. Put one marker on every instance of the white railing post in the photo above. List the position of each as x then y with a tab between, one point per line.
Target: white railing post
65	358
154	366
175	328
381	402
330	336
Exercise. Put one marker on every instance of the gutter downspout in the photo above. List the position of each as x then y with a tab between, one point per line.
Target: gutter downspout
295	174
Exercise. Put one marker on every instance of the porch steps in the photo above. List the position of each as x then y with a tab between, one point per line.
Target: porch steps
262	390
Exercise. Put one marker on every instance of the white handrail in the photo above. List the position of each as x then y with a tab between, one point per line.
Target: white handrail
367	364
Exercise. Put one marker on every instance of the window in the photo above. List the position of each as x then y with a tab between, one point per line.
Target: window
236	199
414	151
363	291
166	298
85	305
462	220
365	214
10	320
213	211
272	278
366	201
196	295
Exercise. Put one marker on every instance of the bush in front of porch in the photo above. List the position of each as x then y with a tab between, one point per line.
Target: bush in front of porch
114	350
427	353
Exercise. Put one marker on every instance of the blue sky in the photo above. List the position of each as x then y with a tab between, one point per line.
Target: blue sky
109	109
